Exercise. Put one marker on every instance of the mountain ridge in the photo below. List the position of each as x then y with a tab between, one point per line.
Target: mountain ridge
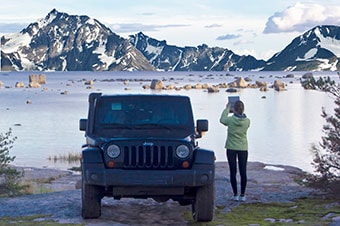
70	43
200	58
63	42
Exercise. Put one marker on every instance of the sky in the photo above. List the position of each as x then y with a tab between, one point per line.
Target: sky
259	28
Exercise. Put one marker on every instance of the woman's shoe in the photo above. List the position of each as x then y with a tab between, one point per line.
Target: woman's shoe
242	198
234	198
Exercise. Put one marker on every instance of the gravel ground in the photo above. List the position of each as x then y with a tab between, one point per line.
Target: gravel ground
265	184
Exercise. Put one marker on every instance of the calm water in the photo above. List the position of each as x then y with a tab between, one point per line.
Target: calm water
283	124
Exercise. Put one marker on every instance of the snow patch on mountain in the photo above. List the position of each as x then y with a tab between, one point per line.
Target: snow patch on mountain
329	43
156	51
15	42
309	55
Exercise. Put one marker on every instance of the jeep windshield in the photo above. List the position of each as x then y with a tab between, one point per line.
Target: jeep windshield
131	116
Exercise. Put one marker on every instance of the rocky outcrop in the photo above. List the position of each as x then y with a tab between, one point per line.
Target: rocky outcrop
34	85
279	85
156	84
89	82
19	85
40	79
241	83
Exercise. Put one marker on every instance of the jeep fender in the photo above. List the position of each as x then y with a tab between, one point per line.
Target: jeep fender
92	155
204	156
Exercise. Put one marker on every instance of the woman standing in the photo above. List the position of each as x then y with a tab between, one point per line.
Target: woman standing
237	146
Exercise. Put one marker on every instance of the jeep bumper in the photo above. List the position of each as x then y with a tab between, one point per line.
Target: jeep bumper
197	176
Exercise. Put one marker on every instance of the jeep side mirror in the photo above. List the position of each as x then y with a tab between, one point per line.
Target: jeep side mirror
82	124
201	126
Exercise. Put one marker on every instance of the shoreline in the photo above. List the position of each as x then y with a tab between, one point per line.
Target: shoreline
267	183
56	180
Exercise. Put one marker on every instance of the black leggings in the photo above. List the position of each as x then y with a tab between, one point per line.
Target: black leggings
242	157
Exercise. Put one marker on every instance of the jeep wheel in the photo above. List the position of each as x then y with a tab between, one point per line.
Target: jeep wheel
91	201
204	203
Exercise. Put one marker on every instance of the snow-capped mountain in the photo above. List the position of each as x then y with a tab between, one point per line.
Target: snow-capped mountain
69	43
317	49
201	58
62	42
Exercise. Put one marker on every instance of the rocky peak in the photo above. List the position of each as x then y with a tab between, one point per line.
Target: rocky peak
65	42
316	49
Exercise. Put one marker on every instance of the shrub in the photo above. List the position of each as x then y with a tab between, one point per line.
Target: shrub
9	183
326	160
324	84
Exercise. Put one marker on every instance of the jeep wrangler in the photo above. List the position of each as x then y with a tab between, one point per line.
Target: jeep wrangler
144	146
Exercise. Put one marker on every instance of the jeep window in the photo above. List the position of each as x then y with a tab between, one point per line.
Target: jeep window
150	114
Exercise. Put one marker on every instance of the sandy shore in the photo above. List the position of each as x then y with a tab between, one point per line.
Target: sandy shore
266	183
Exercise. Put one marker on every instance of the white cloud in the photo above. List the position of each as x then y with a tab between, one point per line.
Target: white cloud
303	16
138	27
213	26
228	37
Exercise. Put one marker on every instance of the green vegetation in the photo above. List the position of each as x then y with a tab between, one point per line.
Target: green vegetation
326	159
301	211
324	84
9	176
70	157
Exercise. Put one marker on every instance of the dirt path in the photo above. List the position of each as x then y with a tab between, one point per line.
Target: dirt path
265	184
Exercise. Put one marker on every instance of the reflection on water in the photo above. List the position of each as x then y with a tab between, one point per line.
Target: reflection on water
283	124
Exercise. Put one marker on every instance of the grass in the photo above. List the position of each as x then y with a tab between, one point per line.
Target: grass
309	211
304	211
70	157
30	221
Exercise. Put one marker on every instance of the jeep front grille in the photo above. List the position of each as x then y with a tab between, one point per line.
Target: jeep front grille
149	157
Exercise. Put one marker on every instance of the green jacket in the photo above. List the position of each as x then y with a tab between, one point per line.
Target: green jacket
237	130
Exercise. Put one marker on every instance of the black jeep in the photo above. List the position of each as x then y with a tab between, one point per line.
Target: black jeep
144	146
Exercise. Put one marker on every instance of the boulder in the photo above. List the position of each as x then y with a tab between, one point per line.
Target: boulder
19	85
34	85
261	84
146	86
264	89
187	87
231	90
156	84
223	85
198	86
232	84
205	86
170	87
40	79
89	82
254	86
279	85
307	75
213	89
241	83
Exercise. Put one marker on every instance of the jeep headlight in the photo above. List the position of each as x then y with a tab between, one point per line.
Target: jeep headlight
182	151
113	151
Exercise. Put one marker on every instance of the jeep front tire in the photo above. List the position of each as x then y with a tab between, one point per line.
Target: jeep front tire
91	201
204	203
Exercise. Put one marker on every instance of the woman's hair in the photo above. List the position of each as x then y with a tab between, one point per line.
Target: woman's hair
239	107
